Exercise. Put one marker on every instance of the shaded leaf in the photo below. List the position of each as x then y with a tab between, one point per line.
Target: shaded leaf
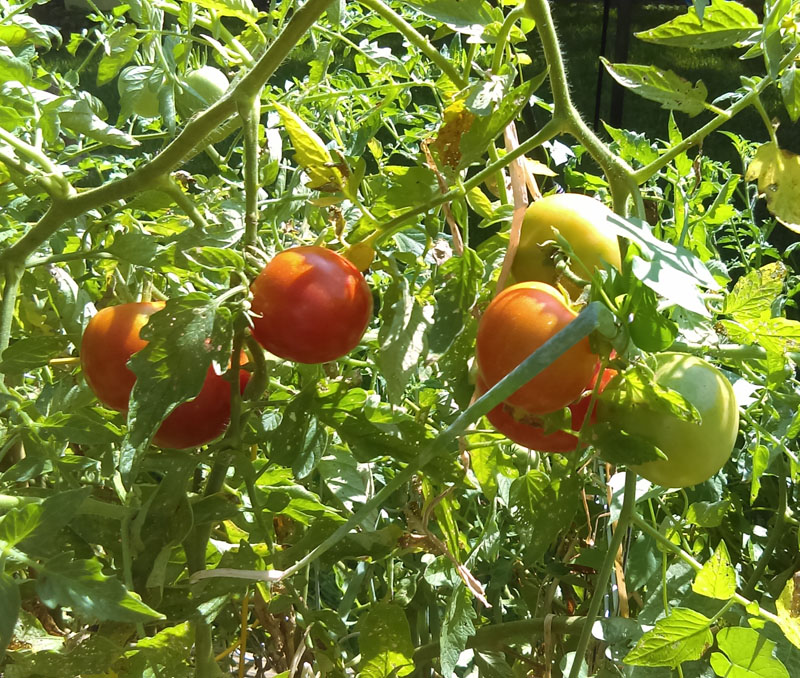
385	642
457	627
81	585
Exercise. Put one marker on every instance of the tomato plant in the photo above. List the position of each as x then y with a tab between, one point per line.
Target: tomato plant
695	451
310	305
517	322
525	429
111	338
581	220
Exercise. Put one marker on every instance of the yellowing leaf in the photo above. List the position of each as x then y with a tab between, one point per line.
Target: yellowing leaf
717	579
788	606
778	175
536	167
310	152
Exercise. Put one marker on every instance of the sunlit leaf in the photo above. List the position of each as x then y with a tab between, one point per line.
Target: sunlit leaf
663	86
778	175
722	24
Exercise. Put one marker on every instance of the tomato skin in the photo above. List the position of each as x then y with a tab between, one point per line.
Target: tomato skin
203	419
695	451
111	337
521	427
581	221
311	305
208	82
516	323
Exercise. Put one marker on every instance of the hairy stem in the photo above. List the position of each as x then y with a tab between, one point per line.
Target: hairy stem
417	39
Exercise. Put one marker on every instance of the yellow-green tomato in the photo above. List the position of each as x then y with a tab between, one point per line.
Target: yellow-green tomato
695	451
581	220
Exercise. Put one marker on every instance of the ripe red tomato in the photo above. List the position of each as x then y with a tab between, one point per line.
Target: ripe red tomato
111	338
203	419
310	305
524	428
517	322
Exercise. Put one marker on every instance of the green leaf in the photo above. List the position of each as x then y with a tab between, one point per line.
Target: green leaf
457	627
169	649
136	248
14	68
57	512
708	514
81	428
682	636
22	29
121	47
650	329
622	448
754	294
461	276
672	272
32	352
9	610
538	528
663	86
402	336
717	578
81	585
748	654
463	16
78	116
723	24
385	642
790	92
18	523
184	339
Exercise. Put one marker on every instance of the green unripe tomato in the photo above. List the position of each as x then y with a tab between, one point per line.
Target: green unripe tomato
695	451
202	87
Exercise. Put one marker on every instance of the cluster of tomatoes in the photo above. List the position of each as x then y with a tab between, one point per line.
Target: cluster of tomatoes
309	305
525	315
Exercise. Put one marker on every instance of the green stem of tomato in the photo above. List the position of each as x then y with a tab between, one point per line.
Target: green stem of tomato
548	131
249	110
416	39
595	316
617	171
695	564
498	636
625	517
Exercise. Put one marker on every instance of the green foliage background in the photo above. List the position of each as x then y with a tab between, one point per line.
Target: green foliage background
362	517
